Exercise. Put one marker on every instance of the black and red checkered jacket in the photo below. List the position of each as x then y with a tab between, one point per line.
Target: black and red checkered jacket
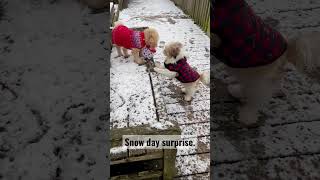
185	72
246	41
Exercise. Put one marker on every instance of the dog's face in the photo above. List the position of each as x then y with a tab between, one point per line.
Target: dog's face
151	37
172	49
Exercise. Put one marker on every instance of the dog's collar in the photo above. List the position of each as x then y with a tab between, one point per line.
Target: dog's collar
174	60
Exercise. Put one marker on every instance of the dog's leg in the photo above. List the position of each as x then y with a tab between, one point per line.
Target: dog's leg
125	52
119	51
135	53
257	92
139	60
234	87
277	86
136	57
190	89
236	91
166	72
158	65
183	89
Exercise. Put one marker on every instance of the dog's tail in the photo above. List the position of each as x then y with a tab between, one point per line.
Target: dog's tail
304	52
205	78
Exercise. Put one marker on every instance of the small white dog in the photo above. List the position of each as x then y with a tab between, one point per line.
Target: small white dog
176	66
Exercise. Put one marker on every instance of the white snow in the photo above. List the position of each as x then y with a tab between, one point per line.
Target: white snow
131	95
172	25
162	125
56	67
117	150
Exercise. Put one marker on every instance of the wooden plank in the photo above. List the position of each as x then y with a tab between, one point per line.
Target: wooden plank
144	175
169	170
190	117
266	142
300	167
168	86
131	167
295	21
198	129
155	155
202	176
300	99
193	164
131	100
178	97
168	129
203	146
262	6
192	106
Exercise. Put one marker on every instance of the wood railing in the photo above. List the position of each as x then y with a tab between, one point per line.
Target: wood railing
117	6
199	10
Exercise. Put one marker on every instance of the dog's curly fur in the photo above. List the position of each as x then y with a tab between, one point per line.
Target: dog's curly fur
173	52
255	86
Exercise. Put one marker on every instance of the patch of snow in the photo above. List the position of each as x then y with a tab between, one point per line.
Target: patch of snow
162	125
192	164
118	150
165	17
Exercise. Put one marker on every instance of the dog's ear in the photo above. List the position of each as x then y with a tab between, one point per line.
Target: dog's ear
178	44
151	36
165	52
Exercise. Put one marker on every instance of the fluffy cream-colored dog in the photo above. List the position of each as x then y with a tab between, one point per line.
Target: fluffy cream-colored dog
255	85
256	54
176	66
124	38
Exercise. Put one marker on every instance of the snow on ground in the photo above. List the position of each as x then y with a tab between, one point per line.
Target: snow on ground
130	93
131	98
52	104
286	144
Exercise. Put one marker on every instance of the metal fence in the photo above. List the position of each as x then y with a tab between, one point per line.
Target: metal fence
199	10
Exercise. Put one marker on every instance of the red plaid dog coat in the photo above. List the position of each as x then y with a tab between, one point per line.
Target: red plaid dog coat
127	38
185	72
246	41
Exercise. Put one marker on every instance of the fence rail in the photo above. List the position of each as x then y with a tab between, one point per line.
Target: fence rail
199	10
117	6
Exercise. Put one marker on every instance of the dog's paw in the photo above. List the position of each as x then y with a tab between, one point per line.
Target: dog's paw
183	90
156	69
139	61
187	98
117	56
230	79
235	91
157	64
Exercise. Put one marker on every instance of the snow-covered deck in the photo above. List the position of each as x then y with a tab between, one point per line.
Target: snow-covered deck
52	102
286	145
139	97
